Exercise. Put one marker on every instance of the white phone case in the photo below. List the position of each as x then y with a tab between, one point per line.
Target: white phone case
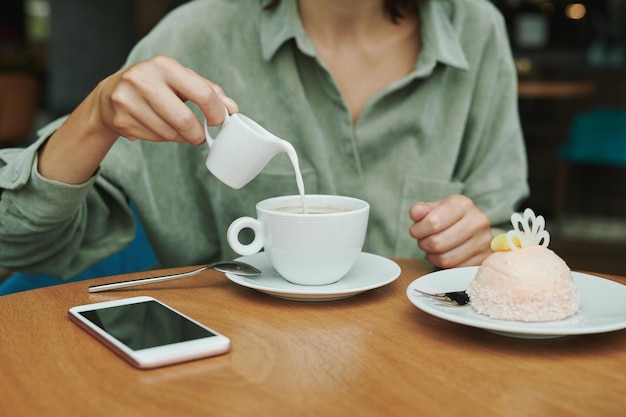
202	341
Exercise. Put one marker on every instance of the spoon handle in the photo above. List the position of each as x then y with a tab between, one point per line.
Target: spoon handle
143	281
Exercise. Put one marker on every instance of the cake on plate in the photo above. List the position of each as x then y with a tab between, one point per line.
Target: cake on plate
522	279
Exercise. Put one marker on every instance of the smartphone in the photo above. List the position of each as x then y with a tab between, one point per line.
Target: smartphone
148	333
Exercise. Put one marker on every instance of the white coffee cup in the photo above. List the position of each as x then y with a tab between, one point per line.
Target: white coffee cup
241	149
317	248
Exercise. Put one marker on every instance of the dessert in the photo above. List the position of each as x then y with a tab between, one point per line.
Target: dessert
524	280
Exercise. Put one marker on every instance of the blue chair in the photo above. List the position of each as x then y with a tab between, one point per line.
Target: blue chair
137	256
597	138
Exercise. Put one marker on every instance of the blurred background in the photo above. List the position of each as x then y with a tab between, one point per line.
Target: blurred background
570	56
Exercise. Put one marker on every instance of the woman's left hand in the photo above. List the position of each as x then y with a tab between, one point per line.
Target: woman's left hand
452	232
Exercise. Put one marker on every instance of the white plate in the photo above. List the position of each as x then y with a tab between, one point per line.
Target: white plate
369	272
602	306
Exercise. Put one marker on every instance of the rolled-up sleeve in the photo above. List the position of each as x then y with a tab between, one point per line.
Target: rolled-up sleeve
43	222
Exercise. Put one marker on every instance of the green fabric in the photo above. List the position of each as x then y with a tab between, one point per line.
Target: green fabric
451	126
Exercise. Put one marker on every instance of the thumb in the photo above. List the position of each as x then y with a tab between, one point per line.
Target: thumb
419	210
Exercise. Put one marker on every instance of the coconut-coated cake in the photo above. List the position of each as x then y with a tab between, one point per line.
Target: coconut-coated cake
522	279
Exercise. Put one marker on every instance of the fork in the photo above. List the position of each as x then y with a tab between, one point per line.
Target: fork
456	298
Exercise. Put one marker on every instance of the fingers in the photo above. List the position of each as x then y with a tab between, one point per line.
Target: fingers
452	232
228	102
231	105
419	210
209	96
147	101
467	253
129	112
435	217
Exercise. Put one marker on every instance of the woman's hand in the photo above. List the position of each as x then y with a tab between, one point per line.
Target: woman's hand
145	101
452	232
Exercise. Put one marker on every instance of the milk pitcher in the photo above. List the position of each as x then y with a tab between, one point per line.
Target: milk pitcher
241	149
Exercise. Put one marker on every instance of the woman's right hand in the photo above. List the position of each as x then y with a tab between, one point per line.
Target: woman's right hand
147	101
144	101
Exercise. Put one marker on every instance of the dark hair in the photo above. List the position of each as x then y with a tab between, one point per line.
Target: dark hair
393	8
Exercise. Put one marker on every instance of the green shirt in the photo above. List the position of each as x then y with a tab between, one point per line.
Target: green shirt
451	126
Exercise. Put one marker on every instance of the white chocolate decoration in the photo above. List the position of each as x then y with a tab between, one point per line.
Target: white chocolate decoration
532	230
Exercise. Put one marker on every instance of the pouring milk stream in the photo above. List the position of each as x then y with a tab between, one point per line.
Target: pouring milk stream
304	249
242	148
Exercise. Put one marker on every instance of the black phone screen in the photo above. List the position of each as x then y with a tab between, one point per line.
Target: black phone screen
145	325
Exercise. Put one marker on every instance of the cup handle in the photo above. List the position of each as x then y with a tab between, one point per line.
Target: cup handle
207	135
232	235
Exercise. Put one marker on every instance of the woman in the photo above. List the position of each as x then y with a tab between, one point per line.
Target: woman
408	105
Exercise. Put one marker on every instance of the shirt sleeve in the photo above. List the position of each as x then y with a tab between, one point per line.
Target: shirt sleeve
44	222
496	176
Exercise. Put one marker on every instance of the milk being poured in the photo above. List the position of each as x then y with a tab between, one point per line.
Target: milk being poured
243	140
293	156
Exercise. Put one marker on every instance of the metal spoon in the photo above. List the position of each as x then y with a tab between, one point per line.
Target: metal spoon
234	267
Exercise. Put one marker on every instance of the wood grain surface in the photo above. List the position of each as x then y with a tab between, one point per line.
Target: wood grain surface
373	354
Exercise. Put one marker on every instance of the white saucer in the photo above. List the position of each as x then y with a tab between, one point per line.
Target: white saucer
602	306
369	272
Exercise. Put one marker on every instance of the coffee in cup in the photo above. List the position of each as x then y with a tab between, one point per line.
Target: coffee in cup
314	248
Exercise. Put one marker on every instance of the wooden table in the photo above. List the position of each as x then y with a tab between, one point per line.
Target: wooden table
374	354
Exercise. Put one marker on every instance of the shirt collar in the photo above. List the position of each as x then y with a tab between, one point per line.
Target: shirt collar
280	25
440	41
